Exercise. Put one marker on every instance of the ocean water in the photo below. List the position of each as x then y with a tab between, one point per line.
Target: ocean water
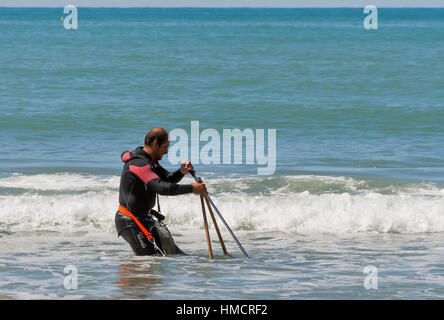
354	209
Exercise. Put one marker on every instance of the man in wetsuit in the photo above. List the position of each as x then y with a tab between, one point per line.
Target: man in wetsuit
142	179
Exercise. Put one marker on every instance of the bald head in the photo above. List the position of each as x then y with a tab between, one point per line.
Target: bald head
157	134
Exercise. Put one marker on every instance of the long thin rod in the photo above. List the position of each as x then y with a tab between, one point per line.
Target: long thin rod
220	216
207	233
217	228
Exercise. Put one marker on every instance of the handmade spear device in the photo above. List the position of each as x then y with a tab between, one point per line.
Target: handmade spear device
210	202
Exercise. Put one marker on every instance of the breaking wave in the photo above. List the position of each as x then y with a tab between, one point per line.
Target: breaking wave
306	204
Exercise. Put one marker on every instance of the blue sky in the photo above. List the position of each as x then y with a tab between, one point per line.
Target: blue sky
221	3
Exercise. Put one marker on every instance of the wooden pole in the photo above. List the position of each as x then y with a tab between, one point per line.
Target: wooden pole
207	197
217	228
207	233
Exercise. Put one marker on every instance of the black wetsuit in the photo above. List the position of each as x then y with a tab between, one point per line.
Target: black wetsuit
141	180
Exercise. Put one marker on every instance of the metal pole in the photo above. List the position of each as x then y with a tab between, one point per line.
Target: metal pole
220	216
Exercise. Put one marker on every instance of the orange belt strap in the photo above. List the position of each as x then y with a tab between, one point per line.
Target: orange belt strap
129	214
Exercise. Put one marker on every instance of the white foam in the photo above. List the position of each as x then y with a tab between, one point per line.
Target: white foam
414	211
328	213
59	182
62	213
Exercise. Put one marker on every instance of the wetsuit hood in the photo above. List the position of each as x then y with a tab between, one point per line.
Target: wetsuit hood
138	153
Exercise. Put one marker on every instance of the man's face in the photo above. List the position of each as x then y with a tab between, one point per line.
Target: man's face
163	149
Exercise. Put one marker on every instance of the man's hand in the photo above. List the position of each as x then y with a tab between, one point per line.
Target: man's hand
200	188
186	167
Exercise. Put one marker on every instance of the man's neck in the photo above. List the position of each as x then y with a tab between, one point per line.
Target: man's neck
150	152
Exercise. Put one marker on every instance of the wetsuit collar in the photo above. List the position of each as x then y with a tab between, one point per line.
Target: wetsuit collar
141	153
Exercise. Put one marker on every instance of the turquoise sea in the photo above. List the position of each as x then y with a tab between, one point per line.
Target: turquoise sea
359	179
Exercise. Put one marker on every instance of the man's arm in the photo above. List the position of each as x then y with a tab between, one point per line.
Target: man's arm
168	188
176	176
156	184
168	176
